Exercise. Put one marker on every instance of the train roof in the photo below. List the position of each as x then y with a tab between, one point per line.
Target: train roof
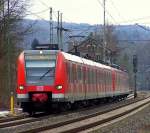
73	58
38	51
78	59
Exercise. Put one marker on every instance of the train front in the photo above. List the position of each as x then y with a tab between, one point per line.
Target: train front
36	77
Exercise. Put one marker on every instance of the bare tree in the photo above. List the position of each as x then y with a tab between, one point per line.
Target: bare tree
11	33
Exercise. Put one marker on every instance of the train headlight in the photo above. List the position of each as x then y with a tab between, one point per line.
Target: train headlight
21	87
59	87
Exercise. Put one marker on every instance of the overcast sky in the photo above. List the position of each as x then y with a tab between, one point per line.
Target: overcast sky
90	11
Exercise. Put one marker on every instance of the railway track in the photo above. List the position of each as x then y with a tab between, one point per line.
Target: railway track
92	120
61	123
13	118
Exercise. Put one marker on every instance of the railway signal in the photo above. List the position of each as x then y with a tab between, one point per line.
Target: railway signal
135	63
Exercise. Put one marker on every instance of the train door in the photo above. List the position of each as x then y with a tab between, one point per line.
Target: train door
70	81
74	82
113	81
84	82
79	82
100	82
68	89
97	85
87	82
104	82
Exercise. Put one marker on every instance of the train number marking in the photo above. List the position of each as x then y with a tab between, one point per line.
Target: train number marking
39	88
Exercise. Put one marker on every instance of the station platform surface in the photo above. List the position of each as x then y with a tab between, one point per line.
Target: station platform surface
4	113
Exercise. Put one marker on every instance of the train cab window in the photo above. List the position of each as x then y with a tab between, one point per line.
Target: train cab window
40	70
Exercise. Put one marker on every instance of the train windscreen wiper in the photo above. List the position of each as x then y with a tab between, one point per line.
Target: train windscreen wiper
46	73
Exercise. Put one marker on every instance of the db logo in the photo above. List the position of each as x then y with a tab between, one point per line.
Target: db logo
40	88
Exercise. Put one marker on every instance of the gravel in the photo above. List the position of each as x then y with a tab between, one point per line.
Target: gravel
60	117
138	123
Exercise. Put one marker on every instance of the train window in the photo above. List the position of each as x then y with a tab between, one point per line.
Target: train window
92	76
109	78
88	73
106	79
40	72
68	71
95	76
117	80
102	77
79	73
77	70
85	76
72	68
74	73
99	77
89	76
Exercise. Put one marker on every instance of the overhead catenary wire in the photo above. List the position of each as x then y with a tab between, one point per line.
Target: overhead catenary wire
118	12
38	16
40	12
107	11
54	11
31	13
134	20
44	4
124	21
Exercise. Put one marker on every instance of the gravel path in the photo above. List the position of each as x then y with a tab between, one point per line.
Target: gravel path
138	123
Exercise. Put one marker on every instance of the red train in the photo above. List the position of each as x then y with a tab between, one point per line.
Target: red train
47	77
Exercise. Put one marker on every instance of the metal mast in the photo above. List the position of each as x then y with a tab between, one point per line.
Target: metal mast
104	33
61	33
58	30
51	26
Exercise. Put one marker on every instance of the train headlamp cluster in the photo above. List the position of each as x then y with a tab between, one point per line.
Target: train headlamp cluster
59	87
41	52
21	87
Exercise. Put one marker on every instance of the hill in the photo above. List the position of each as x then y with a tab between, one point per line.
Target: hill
130	34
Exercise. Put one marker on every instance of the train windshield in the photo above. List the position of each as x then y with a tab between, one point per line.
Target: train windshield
40	69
